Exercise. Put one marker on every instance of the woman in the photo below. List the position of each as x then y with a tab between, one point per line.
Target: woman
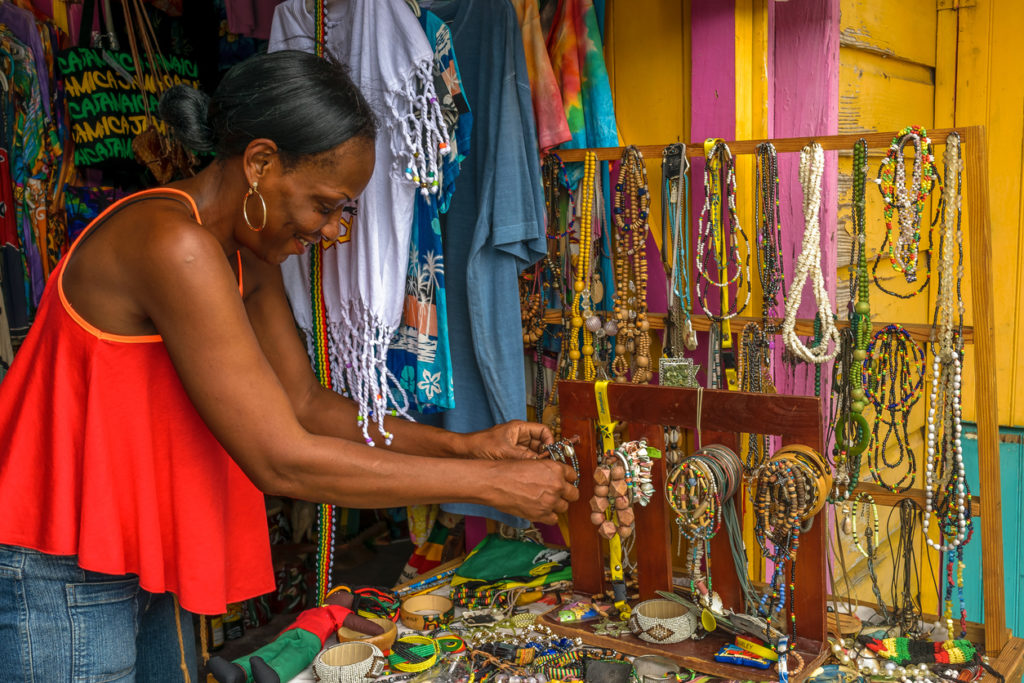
163	389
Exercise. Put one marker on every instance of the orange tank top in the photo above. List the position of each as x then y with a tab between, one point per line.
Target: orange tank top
103	456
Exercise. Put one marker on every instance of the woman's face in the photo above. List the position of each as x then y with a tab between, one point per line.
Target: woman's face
306	202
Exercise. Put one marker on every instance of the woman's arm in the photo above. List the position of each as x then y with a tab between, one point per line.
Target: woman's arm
325	412
188	290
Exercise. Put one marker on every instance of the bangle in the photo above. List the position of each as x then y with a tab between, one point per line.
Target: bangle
349	662
755	649
381	640
427	612
414	653
662	621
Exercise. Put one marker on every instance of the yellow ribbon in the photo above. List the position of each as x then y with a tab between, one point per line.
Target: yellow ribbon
714	168
607	428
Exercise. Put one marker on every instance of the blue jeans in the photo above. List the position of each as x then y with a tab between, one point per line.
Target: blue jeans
59	622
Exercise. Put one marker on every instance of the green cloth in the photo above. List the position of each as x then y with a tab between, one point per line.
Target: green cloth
289	654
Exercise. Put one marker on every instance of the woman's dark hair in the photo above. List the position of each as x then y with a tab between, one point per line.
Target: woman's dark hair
304	103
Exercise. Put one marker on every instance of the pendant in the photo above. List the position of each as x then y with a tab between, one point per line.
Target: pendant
689	335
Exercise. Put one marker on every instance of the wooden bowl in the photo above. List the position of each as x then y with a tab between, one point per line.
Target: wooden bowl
384	640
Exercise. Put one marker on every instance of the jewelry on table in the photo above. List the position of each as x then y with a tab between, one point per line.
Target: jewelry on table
808	265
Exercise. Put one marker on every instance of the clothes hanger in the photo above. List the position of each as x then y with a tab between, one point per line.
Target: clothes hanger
414	6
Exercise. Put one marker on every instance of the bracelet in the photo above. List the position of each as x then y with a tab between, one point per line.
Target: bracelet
662	621
427	612
759	650
349	662
414	653
381	640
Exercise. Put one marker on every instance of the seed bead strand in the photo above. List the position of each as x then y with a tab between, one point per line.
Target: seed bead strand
769	235
717	247
808	265
581	289
893	377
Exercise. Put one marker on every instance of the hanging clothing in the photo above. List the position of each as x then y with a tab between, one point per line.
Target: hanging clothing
494	228
420	356
23	25
252	18
548	109
364	277
105	457
577	56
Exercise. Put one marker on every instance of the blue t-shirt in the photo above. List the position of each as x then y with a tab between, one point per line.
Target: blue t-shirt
494	228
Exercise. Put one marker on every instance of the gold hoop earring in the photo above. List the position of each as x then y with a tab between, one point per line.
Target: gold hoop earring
254	190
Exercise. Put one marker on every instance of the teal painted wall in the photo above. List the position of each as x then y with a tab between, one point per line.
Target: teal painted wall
1011	471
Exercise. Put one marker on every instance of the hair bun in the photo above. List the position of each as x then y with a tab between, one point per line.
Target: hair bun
186	110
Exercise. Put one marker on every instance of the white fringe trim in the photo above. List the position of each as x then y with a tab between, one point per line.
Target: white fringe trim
358	347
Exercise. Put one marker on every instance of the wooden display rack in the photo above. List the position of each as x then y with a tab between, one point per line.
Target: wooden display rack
723	416
578	412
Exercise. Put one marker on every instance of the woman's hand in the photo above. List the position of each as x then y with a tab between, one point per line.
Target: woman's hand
515	440
537	490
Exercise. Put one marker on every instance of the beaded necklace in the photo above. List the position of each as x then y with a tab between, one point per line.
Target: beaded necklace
769	234
788	491
700	490
675	214
325	518
717	248
852	433
755	376
808	265
944	465
581	303
555	181
894	375
903	239
631	267
870	538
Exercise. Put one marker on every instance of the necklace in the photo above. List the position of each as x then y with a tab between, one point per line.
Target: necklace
631	267
852	433
755	376
716	248
944	466
769	234
676	219
894	376
808	265
870	538
906	205
907	608
581	304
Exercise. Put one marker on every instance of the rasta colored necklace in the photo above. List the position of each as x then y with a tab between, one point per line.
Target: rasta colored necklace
903	236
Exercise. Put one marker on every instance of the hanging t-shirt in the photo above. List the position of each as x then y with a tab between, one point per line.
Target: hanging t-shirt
548	109
495	226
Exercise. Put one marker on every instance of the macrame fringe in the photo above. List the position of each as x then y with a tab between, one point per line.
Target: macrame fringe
422	138
358	346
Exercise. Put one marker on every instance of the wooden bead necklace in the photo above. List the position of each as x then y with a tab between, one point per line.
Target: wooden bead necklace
893	377
631	229
718	249
808	265
903	238
581	303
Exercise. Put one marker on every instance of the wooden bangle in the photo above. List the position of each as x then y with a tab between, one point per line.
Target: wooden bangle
384	640
427	612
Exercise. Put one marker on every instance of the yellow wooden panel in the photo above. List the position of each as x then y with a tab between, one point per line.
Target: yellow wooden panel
905	29
990	92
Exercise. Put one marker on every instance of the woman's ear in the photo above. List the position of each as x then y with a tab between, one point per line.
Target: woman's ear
259	158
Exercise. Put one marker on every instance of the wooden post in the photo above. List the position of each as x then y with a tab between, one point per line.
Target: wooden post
979	230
